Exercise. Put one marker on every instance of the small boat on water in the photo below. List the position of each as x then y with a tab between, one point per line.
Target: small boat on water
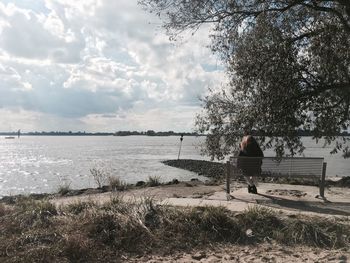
9	137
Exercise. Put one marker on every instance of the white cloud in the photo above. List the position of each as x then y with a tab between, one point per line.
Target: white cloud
87	61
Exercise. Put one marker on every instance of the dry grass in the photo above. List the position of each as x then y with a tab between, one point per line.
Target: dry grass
153	181
35	231
116	184
78	207
63	189
99	175
2	210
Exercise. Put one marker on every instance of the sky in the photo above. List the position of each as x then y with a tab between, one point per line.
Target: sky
98	65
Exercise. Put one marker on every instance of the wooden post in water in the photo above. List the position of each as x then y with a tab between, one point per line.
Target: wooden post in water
323	179
181	139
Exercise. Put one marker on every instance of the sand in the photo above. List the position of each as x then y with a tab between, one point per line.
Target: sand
261	253
289	199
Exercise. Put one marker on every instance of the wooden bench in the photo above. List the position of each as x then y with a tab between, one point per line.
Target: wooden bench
290	167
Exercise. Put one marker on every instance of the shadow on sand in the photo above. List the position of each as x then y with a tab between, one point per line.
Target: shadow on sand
331	208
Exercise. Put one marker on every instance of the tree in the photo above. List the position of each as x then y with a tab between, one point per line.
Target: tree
288	62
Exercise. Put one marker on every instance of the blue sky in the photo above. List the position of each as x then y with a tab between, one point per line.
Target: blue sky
98	65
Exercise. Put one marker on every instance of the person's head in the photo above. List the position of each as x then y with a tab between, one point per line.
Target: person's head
247	140
244	142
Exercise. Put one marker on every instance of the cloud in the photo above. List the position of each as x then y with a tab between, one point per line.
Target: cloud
29	35
87	61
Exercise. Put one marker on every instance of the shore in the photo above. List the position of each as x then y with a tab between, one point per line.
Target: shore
179	222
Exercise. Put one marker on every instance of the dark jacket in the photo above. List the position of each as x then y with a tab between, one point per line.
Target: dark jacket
250	166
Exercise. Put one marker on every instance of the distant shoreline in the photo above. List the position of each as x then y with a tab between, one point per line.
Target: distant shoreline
99	134
150	133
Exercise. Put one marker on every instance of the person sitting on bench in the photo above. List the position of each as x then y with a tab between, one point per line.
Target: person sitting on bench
251	168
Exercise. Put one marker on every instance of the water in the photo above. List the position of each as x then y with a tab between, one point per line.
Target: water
35	164
41	164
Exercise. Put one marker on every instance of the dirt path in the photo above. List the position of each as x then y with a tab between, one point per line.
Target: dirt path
261	253
286	198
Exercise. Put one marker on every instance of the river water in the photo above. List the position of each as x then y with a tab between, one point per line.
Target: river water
36	164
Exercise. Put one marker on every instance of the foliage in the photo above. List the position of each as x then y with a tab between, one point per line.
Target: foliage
35	231
153	181
78	207
99	175
288	64
63	189
32	213
116	184
2	210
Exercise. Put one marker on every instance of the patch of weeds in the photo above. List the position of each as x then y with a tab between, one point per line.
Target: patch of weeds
148	212
30	213
315	232
78	207
77	247
119	231
118	205
262	221
3	210
37	238
63	189
99	176
36	254
116	184
184	228
153	181
220	224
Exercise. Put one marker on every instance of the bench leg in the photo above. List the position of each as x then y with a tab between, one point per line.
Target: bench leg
323	179
228	177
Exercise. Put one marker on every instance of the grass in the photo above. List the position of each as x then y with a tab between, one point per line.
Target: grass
63	189
33	231
2	210
153	181
78	207
116	184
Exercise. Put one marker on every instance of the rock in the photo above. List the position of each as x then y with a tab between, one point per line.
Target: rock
140	183
199	255
90	191
196	196
105	188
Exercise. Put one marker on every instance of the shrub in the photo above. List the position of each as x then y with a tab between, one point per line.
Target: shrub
115	183
78	207
64	189
2	210
99	176
34	213
262	221
153	181
120	231
118	205
315	232
77	247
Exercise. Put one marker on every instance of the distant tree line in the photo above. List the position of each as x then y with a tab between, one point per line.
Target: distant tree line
154	133
118	133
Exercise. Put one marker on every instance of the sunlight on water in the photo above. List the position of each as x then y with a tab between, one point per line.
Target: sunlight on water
41	164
